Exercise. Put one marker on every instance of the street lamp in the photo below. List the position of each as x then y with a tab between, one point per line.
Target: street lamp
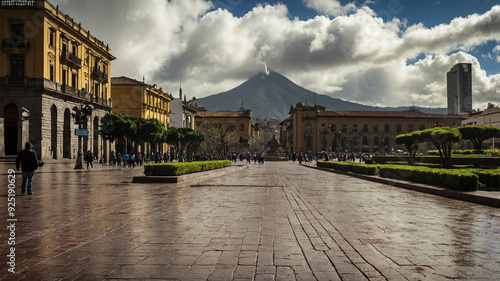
81	120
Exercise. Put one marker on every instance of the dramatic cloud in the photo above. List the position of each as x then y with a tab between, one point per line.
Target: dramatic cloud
359	55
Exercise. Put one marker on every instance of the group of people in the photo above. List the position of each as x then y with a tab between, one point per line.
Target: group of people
255	157
129	160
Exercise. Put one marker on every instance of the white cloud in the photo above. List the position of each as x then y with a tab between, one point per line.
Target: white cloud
496	50
356	56
329	7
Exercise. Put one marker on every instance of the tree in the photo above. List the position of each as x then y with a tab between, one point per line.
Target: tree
411	141
442	138
149	130
478	134
119	126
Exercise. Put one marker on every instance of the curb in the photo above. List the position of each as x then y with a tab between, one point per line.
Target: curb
189	177
443	192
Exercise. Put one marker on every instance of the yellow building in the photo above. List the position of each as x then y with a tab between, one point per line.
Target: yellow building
312	129
142	100
50	67
229	131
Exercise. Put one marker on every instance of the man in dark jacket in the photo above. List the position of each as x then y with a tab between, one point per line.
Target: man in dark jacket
28	161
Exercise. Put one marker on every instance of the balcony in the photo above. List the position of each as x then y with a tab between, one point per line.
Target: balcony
71	60
100	76
18	3
17	46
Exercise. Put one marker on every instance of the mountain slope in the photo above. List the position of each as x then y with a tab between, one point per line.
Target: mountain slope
270	96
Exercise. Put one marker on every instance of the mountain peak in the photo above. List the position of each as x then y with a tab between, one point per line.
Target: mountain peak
269	95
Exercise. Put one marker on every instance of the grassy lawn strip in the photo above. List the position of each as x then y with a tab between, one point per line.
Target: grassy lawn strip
177	169
466	179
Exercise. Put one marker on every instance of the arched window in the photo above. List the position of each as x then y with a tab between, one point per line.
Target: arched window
365	140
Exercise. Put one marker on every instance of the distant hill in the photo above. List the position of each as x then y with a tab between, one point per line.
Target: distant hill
271	95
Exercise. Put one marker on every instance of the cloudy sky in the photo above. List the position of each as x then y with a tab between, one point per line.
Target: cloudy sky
374	52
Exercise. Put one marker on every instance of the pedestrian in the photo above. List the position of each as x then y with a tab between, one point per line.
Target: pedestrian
139	159
28	161
300	158
132	161
125	160
89	158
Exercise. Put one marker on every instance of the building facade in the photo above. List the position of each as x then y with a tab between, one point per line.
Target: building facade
50	67
459	88
311	129
182	113
488	117
138	99
220	124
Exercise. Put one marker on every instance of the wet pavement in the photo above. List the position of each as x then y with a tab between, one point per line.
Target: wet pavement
277	221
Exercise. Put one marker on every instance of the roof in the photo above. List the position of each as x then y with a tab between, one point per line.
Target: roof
122	80
224	114
389	114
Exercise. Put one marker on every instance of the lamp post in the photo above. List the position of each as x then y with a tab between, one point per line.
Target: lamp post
81	120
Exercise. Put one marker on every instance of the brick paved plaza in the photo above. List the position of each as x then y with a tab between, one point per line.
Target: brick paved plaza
277	221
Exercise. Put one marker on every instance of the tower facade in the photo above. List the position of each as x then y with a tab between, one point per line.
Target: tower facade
459	81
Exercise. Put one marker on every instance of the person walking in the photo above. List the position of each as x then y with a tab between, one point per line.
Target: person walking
90	159
28	161
125	160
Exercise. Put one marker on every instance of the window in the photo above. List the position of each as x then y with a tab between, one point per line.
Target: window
354	128
51	71
365	140
365	128
375	127
332	128
52	37
308	115
376	141
74	80
386	128
17	34
74	49
344	128
410	128
398	128
323	125
242	127
422	127
17	67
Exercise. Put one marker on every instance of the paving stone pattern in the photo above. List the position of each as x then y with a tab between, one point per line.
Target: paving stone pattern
277	221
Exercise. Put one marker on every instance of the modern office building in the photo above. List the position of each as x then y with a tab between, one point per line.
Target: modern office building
51	68
459	82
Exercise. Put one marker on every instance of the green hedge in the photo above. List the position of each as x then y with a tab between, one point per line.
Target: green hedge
470	160
177	169
358	168
488	177
458	179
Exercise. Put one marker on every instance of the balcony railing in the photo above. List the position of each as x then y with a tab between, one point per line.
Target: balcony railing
68	58
40	83
22	3
16	46
97	74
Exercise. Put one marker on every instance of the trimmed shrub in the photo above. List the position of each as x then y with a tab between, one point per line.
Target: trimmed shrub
489	178
177	169
454	179
470	160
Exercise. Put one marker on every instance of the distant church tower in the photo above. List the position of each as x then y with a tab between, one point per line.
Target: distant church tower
459	82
